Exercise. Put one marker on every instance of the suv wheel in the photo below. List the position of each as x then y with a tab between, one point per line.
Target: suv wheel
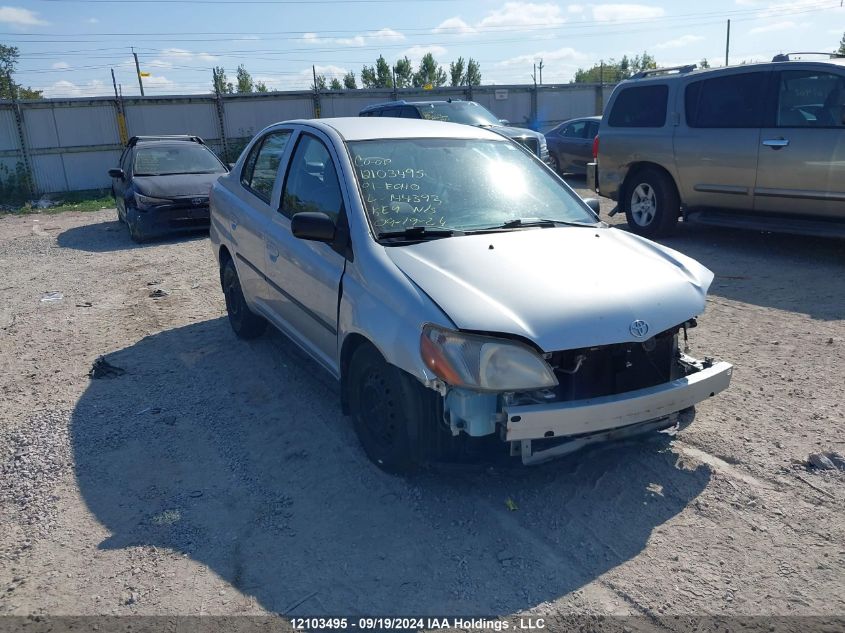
651	203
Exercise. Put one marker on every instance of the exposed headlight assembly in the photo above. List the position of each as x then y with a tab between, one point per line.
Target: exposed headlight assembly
148	202
483	363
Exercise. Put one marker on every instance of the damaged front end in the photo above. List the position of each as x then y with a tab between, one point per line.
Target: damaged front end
601	393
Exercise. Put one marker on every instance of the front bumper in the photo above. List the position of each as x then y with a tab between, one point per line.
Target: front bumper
172	219
598	415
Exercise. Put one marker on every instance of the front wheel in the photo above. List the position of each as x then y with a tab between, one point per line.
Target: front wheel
245	323
555	164
651	203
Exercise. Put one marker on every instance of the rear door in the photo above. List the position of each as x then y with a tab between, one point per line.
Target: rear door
304	276
716	143
802	156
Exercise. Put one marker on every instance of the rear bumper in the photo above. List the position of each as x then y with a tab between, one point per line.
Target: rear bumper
597	415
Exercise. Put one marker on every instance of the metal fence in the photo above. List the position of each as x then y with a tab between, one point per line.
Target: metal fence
69	144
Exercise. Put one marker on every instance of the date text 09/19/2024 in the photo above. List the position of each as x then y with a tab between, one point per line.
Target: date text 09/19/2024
523	623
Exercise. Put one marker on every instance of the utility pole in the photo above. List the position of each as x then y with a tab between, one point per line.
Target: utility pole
121	118
138	70
728	44
316	93
534	75
541	71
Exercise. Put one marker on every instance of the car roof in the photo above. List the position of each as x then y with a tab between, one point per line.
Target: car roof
369	128
658	74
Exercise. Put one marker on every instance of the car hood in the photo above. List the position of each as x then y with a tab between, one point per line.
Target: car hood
176	185
562	288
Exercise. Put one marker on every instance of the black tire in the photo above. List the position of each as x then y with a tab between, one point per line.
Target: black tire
245	323
651	203
135	231
555	164
394	416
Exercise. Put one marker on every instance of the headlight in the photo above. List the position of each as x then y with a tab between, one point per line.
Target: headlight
148	202
483	363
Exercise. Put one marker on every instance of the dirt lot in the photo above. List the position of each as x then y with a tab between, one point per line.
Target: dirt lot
219	477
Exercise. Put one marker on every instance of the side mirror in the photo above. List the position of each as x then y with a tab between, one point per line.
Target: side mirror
117	172
594	204
313	225
504	122
231	166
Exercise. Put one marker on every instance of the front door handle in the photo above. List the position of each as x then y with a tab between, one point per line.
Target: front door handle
776	143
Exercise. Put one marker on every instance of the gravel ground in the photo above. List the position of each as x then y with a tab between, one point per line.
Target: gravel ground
216	476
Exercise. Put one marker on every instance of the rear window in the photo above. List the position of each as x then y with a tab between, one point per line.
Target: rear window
640	106
734	101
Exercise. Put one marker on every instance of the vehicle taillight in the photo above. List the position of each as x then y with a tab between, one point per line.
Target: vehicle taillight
596	148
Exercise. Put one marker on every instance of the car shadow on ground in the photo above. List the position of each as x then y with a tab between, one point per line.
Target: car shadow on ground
112	235
237	455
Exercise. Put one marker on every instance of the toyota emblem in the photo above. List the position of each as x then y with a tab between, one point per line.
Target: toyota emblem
639	328
198	202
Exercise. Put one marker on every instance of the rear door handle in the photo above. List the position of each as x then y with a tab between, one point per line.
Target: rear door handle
776	143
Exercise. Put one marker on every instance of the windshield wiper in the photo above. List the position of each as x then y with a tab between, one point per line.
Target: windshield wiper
418	233
519	223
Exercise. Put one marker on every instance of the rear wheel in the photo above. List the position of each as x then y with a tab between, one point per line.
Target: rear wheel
245	323
555	163
651	203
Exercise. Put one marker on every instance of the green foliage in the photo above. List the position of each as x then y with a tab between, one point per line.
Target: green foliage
321	83
704	63
8	88
613	71
14	184
219	83
335	84
244	80
429	72
378	76
473	74
260	86
349	81
404	73
841	50
457	71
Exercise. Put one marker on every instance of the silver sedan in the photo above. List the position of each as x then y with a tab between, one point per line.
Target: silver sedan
457	288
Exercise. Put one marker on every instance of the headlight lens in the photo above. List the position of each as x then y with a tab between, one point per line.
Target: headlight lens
483	363
148	202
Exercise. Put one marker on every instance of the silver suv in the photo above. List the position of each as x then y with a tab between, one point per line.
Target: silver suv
757	146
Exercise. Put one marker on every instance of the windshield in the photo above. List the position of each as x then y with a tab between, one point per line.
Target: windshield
181	159
457	112
458	184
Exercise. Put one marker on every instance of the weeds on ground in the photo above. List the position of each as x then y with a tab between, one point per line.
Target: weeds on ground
91	200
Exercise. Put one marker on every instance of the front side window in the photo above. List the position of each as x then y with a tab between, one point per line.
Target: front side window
457	184
311	183
808	98
262	164
733	101
185	158
640	106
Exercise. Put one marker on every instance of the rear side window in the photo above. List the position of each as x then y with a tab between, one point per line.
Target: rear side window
640	106
576	130
734	101
809	98
262	164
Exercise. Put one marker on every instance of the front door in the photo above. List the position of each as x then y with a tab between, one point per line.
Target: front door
802	158
304	276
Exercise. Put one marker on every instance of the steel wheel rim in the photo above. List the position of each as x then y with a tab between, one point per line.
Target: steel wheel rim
643	204
233	304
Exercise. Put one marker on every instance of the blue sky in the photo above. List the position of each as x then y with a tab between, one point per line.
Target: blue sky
68	46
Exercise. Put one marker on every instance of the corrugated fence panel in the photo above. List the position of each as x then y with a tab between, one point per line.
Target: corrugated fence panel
89	125
350	103
554	106
512	104
89	170
172	118
40	128
248	115
8	131
48	171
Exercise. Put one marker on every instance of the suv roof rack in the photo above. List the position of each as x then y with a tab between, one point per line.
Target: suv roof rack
784	57
656	71
165	137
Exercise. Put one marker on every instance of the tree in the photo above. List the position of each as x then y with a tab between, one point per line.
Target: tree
321	83
841	50
404	73
473	74
8	88
429	73
260	86
349	81
377	76
456	72
704	63
244	80
613	71
219	82
335	84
